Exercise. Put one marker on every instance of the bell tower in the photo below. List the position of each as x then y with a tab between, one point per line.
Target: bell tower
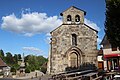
73	15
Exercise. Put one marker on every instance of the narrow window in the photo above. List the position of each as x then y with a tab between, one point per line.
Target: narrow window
69	18
77	18
74	39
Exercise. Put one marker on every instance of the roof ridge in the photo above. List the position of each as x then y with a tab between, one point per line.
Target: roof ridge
73	7
2	63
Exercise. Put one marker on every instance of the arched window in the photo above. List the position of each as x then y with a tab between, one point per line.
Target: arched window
77	18
69	18
74	39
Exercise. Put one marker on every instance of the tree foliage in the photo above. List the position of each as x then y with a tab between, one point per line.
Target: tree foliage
112	23
19	56
16	58
13	69
1	54
35	62
27	70
32	62
9	58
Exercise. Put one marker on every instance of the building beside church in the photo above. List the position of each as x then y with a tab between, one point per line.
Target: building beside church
2	65
100	59
111	55
72	43
4	68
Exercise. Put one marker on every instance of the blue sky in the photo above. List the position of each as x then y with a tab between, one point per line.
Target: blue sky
25	24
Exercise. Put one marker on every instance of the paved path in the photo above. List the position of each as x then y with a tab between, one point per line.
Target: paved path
30	76
45	77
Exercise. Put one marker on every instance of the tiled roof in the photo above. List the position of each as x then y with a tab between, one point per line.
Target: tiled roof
2	63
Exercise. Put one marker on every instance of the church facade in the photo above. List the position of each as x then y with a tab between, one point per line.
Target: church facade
72	43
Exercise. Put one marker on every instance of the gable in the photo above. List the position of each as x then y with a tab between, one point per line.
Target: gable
88	31
90	28
55	29
75	25
83	29
2	63
104	40
73	8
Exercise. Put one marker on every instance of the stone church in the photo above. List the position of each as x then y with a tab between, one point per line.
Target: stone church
72	43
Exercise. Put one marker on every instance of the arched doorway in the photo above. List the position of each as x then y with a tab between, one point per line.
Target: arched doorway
74	57
73	60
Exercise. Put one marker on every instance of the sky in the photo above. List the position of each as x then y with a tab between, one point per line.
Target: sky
25	24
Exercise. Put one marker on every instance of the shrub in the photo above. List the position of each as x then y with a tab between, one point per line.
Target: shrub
101	72
27	70
71	68
82	67
16	66
32	68
13	69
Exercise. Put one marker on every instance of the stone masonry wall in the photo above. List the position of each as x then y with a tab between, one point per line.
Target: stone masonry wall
62	41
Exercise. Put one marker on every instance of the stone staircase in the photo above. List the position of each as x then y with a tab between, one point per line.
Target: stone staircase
83	75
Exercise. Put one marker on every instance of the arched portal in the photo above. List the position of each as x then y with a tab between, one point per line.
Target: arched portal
73	59
74	56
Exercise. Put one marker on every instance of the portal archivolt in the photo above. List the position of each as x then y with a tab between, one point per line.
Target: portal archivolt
74	57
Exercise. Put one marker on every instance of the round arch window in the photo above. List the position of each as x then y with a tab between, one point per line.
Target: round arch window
69	18
77	18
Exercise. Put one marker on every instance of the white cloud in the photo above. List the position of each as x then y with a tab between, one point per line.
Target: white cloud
30	23
29	34
33	23
92	24
48	36
48	39
33	50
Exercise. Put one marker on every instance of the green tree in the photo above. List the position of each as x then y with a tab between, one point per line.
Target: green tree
26	58
16	58
112	22
27	70
19	56
38	61
16	66
9	59
41	60
13	70
1	54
